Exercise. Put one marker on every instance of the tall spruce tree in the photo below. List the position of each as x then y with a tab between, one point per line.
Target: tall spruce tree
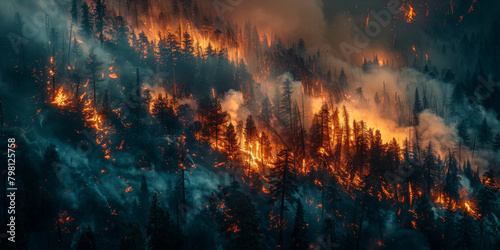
283	187
485	134
86	26
417	108
299	234
231	142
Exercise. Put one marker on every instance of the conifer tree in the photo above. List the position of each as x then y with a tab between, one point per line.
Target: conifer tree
250	132
231	142
100	16
466	232
424	215
282	179
430	167
452	179
485	134
86	27
342	79
161	232
417	108
266	111
94	70
286	103
462	132
216	120
299	234
487	204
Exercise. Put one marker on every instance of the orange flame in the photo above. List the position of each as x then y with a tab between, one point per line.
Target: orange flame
61	99
410	14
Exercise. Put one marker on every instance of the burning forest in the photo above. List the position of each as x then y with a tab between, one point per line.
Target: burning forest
200	124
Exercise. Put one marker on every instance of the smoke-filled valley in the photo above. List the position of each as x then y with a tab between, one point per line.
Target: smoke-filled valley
185	124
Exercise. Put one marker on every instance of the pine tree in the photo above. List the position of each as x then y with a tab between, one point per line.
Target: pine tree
457	99
94	69
250	132
231	142
485	134
424	215
286	103
430	167
173	52
342	79
100	15
487	204
160	110
449	226
299	234
182	180
74	11
314	136
452	179
466	233
417	108
162	233
425	70
337	132
86	27
462	132
282	180
425	102
241	219
347	133
266	111
243	79
361	146
187	65
216	120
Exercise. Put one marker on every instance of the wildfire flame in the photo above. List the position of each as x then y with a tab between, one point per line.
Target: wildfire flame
410	14
61	99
